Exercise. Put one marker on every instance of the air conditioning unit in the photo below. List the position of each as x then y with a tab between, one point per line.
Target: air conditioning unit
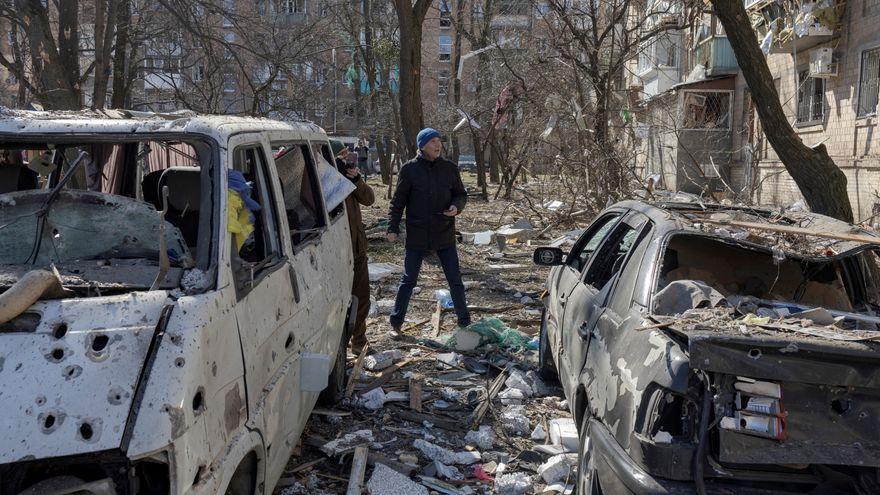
669	20
822	64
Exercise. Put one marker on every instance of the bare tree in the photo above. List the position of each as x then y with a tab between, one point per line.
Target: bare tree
410	16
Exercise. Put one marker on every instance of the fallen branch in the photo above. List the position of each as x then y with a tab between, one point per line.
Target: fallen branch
386	375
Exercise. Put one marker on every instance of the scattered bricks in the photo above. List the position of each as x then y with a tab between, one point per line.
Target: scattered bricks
519	381
538	434
512	397
513	484
372	400
389	482
484	438
557	468
515	420
438	453
563	432
349	441
382	360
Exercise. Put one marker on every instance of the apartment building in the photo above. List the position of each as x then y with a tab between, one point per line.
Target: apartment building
691	104
825	61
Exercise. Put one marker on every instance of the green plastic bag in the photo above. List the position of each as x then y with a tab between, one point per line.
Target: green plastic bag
494	331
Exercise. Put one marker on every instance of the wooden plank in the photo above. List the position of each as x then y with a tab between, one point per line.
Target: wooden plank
306	465
420	418
386	375
787	229
437	319
494	389
358	468
356	371
415	394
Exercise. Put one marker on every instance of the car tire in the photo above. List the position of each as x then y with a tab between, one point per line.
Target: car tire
546	367
336	380
587	479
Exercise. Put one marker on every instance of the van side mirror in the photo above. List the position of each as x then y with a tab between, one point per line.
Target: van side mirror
548	256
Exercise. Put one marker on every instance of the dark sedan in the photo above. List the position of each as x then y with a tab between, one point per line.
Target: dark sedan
717	349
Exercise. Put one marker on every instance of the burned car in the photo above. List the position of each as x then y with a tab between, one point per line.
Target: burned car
715	349
174	297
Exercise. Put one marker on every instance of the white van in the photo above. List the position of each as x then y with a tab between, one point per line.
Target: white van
174	296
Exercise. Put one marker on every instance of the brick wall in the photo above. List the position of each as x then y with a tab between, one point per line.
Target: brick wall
851	141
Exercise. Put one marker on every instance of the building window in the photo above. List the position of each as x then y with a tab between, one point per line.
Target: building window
228	83
445	48
293	6
445	14
542	9
810	98
870	7
868	82
443	82
320	74
319	109
706	110
198	73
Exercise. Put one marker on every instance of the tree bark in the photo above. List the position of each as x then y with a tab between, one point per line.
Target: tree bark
410	17
120	97
105	27
821	182
55	90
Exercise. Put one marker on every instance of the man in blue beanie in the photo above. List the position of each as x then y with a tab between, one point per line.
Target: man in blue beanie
430	191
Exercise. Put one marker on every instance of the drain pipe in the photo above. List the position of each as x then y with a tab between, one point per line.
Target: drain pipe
700	455
29	289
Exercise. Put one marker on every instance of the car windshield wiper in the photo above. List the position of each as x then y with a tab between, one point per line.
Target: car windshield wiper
43	212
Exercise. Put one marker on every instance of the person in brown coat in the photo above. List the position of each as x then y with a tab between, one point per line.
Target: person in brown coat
362	195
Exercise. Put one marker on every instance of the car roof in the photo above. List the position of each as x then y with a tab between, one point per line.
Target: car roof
221	127
680	213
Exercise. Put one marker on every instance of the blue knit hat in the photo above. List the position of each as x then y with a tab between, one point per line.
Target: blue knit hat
426	135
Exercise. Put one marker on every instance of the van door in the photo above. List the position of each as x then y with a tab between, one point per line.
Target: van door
267	310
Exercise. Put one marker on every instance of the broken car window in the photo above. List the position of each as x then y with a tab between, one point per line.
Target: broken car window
609	259
73	203
252	220
842	284
591	239
299	186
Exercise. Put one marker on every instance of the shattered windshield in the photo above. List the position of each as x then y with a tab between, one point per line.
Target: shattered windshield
101	213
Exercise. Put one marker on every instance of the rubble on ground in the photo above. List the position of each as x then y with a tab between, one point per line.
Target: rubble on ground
447	410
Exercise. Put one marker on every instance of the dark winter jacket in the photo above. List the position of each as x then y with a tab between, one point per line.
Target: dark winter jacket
425	190
362	195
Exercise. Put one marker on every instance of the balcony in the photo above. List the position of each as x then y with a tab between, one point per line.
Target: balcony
717	56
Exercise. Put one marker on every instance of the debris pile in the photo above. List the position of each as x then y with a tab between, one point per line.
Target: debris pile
444	409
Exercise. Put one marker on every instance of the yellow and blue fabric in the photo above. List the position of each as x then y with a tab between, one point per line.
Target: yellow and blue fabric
240	210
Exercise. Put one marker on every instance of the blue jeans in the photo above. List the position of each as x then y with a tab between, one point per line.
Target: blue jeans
412	264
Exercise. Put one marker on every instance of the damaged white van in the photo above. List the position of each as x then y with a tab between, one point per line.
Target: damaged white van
174	297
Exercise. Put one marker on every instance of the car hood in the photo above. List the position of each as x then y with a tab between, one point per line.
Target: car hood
66	386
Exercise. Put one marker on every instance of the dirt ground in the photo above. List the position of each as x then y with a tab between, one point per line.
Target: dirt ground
504	285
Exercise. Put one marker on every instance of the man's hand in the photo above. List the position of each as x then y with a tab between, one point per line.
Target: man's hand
391	236
451	212
352	172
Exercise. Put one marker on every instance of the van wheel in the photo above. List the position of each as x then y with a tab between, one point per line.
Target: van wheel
546	368
336	381
244	480
587	481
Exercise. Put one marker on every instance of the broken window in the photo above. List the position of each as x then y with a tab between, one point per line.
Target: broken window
846	284
323	153
609	260
445	14
810	98
706	110
869	82
121	183
590	241
264	242
300	190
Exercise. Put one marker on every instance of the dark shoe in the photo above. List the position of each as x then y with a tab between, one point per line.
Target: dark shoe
395	333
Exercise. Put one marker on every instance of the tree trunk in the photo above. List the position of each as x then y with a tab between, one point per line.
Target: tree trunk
410	17
456	82
54	88
480	158
105	27
68	45
821	182
120	58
